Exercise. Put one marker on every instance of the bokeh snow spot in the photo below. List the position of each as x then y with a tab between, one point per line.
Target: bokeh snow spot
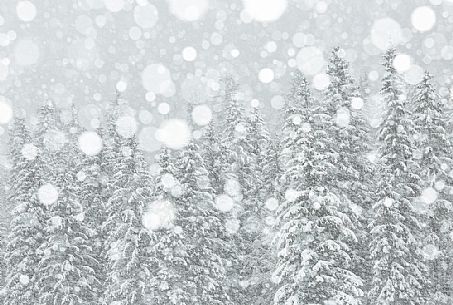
264	10
29	151
48	194
224	203
90	143
423	18
160	214
385	33
201	115
174	133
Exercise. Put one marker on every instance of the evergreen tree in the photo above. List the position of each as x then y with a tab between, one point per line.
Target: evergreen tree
211	153
350	143
202	230
26	228
315	263
235	164
435	163
67	267
260	181
168	248
295	116
129	241
398	271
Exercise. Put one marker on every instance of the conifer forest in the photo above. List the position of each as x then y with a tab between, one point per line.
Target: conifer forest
251	159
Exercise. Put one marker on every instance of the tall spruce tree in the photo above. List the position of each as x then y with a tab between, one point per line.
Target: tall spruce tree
67	266
436	201
315	263
258	189
295	115
26	228
398	270
169	256
235	185
203	231
129	263
350	142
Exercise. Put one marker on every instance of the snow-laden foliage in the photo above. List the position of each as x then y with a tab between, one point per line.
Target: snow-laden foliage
399	273
224	207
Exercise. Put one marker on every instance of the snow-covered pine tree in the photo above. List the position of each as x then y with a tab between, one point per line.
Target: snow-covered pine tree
351	145
90	190
126	189
203	231
25	230
210	148
4	224
234	178
399	273
168	249
128	241
435	164
260	182
295	116
67	267
314	264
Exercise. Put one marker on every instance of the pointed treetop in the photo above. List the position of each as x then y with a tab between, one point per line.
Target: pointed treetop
388	57
231	86
300	90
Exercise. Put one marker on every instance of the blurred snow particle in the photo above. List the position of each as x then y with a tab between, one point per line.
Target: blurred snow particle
232	187
147	139
201	115
385	33
291	195
277	102
126	126
6	112
114	5
310	60
271	204
90	143
254	103
429	195
189	53
156	78
266	75
232	225
168	180
321	81
26	11
224	203
26	52
356	103
24	279
188	10
29	151
163	108
47	194
121	86
388	202
265	10
343	117
414	75
159	214
146	16
174	133
423	18
430	252
402	63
